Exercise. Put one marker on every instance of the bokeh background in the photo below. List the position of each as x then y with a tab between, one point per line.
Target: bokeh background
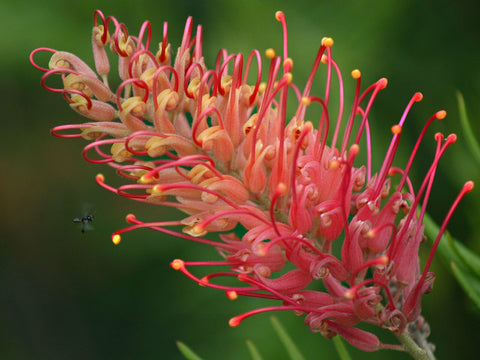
68	295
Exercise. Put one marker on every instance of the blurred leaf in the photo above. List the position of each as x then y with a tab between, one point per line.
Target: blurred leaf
341	349
467	257
187	352
286	340
469	282
464	263
467	129
253	351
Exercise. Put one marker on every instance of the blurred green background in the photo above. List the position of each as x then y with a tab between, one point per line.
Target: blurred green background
68	295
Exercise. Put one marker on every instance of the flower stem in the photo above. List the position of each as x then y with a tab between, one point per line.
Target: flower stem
411	347
341	349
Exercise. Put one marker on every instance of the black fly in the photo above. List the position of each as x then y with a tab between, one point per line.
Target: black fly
86	221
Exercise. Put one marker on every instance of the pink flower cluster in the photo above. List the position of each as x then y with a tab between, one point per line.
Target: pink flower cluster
331	239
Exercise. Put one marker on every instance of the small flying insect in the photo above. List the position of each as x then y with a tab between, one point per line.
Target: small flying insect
85	220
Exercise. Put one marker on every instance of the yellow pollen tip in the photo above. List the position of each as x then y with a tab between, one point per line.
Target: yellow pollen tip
177	264
288	77
441	114
232	295
349	295
371	234
324	59
270	53
100	178
116	239
157	189
327	41
145	179
396	129
356	74
306	100
197	229
333	164
262	87
288	63
354	149
279	15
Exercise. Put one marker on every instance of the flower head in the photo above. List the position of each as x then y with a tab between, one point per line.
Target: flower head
235	159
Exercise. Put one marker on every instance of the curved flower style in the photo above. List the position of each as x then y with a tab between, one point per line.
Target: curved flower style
232	157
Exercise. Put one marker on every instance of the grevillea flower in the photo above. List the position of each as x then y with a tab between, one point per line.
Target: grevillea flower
298	220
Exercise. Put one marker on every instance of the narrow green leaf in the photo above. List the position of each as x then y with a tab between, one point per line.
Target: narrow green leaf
467	129
467	258
464	263
187	352
286	340
341	349
470	283
444	249
254	353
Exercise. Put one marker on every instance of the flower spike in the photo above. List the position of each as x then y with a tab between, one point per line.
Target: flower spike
293	207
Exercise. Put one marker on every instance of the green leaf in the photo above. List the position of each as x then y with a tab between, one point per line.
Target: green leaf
464	263
253	351
341	349
466	257
187	352
469	282
447	254
467	129
286	340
